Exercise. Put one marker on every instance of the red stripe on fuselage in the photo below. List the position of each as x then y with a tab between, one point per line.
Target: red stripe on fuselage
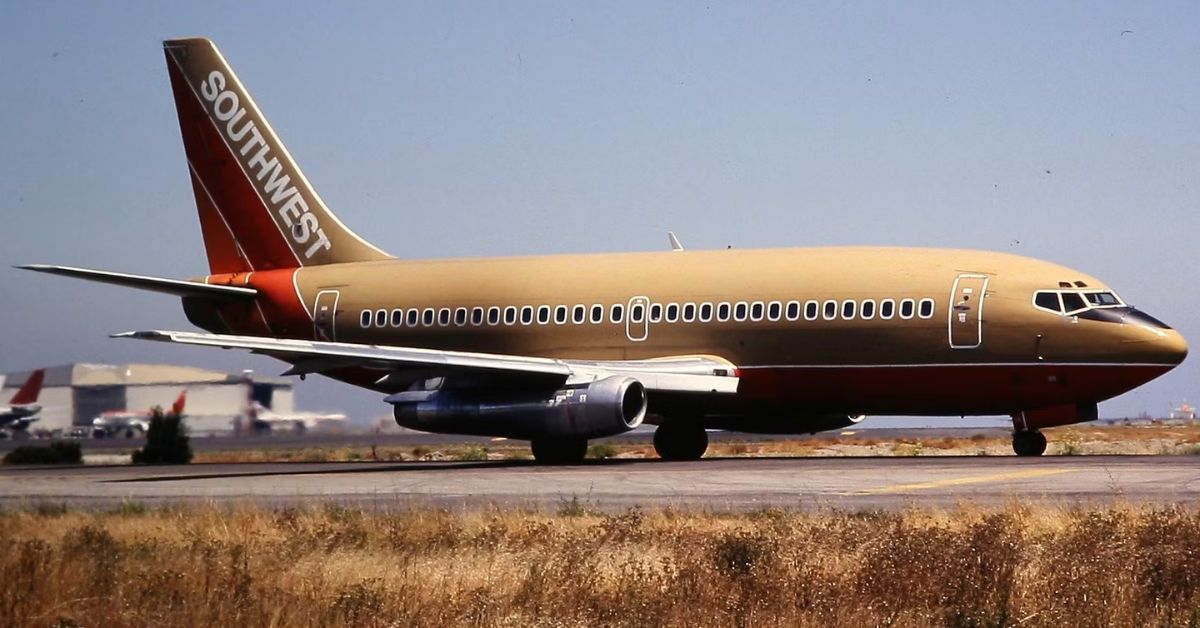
275	312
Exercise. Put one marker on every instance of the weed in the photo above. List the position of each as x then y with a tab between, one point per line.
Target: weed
472	454
602	451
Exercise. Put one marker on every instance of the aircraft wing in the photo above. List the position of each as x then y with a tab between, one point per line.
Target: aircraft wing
695	374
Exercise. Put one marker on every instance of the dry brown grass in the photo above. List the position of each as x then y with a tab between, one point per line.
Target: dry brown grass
336	566
1074	440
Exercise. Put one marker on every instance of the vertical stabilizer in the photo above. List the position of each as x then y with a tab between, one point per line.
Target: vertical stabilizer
30	390
257	210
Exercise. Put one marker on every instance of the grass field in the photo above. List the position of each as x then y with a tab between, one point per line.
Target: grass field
1075	440
334	566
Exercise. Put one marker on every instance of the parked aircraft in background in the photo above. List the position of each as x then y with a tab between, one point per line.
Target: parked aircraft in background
263	419
22	409
130	424
562	349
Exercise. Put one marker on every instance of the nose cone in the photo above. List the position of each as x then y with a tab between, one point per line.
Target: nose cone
1174	348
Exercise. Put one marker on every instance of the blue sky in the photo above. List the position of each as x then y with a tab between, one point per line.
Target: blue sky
464	129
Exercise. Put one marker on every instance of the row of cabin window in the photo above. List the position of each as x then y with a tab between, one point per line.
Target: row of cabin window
658	312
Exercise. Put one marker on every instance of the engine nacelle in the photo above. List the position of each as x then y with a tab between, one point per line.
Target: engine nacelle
786	424
610	406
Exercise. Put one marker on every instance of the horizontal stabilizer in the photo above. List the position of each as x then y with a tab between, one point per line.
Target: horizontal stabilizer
177	287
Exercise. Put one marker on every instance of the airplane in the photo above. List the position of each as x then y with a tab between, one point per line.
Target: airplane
22	409
114	422
558	350
263	419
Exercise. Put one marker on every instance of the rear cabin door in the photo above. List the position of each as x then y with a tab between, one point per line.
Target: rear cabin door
325	315
966	311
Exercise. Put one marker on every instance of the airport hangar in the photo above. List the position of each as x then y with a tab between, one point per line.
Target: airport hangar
74	394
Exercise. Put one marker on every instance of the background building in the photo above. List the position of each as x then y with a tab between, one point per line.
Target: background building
74	394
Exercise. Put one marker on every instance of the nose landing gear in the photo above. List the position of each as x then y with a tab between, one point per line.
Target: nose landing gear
1029	443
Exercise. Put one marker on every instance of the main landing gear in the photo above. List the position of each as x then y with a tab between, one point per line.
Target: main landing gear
680	441
560	450
1029	443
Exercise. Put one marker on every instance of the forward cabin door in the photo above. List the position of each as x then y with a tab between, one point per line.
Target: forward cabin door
325	315
966	311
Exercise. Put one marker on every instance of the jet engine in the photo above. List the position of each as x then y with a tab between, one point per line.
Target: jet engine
606	407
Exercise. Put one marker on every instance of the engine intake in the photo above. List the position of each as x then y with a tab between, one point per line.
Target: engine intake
606	407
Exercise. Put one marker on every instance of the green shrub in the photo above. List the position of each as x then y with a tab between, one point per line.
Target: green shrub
472	454
57	452
166	441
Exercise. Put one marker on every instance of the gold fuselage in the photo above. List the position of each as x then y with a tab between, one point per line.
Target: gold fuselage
1006	354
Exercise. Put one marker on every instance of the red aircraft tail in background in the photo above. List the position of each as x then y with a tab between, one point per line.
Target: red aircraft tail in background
30	390
177	407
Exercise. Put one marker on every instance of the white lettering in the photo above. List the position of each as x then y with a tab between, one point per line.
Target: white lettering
275	185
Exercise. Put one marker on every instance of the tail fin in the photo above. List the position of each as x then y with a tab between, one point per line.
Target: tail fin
177	407
257	211
30	389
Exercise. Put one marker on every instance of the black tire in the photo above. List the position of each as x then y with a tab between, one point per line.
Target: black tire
1029	443
559	450
674	441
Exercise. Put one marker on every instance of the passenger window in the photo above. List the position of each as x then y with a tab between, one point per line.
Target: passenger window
1072	302
723	312
672	312
493	315
618	313
887	308
740	310
510	315
543	314
597	314
774	310
830	312
428	316
526	314
381	317
444	316
656	312
867	310
414	317
477	316
907	307
848	308
811	309
397	318
636	313
364	318
689	312
793	310
706	312
926	310
579	314
560	315
756	311
460	316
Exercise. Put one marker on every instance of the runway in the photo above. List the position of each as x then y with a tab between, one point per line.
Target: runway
732	483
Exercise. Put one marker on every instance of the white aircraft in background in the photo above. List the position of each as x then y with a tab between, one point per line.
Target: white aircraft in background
130	424
263	419
22	409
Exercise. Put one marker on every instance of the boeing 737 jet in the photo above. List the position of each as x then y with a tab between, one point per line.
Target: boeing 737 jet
562	349
22	409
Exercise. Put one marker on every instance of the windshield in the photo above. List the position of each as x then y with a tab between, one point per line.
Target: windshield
1075	301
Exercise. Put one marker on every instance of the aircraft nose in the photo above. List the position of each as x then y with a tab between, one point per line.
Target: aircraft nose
1174	347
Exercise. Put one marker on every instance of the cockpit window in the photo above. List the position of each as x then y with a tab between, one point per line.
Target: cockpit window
1101	299
1047	300
1073	302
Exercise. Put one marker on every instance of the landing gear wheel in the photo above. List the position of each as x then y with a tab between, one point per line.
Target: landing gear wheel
1029	443
675	441
559	450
